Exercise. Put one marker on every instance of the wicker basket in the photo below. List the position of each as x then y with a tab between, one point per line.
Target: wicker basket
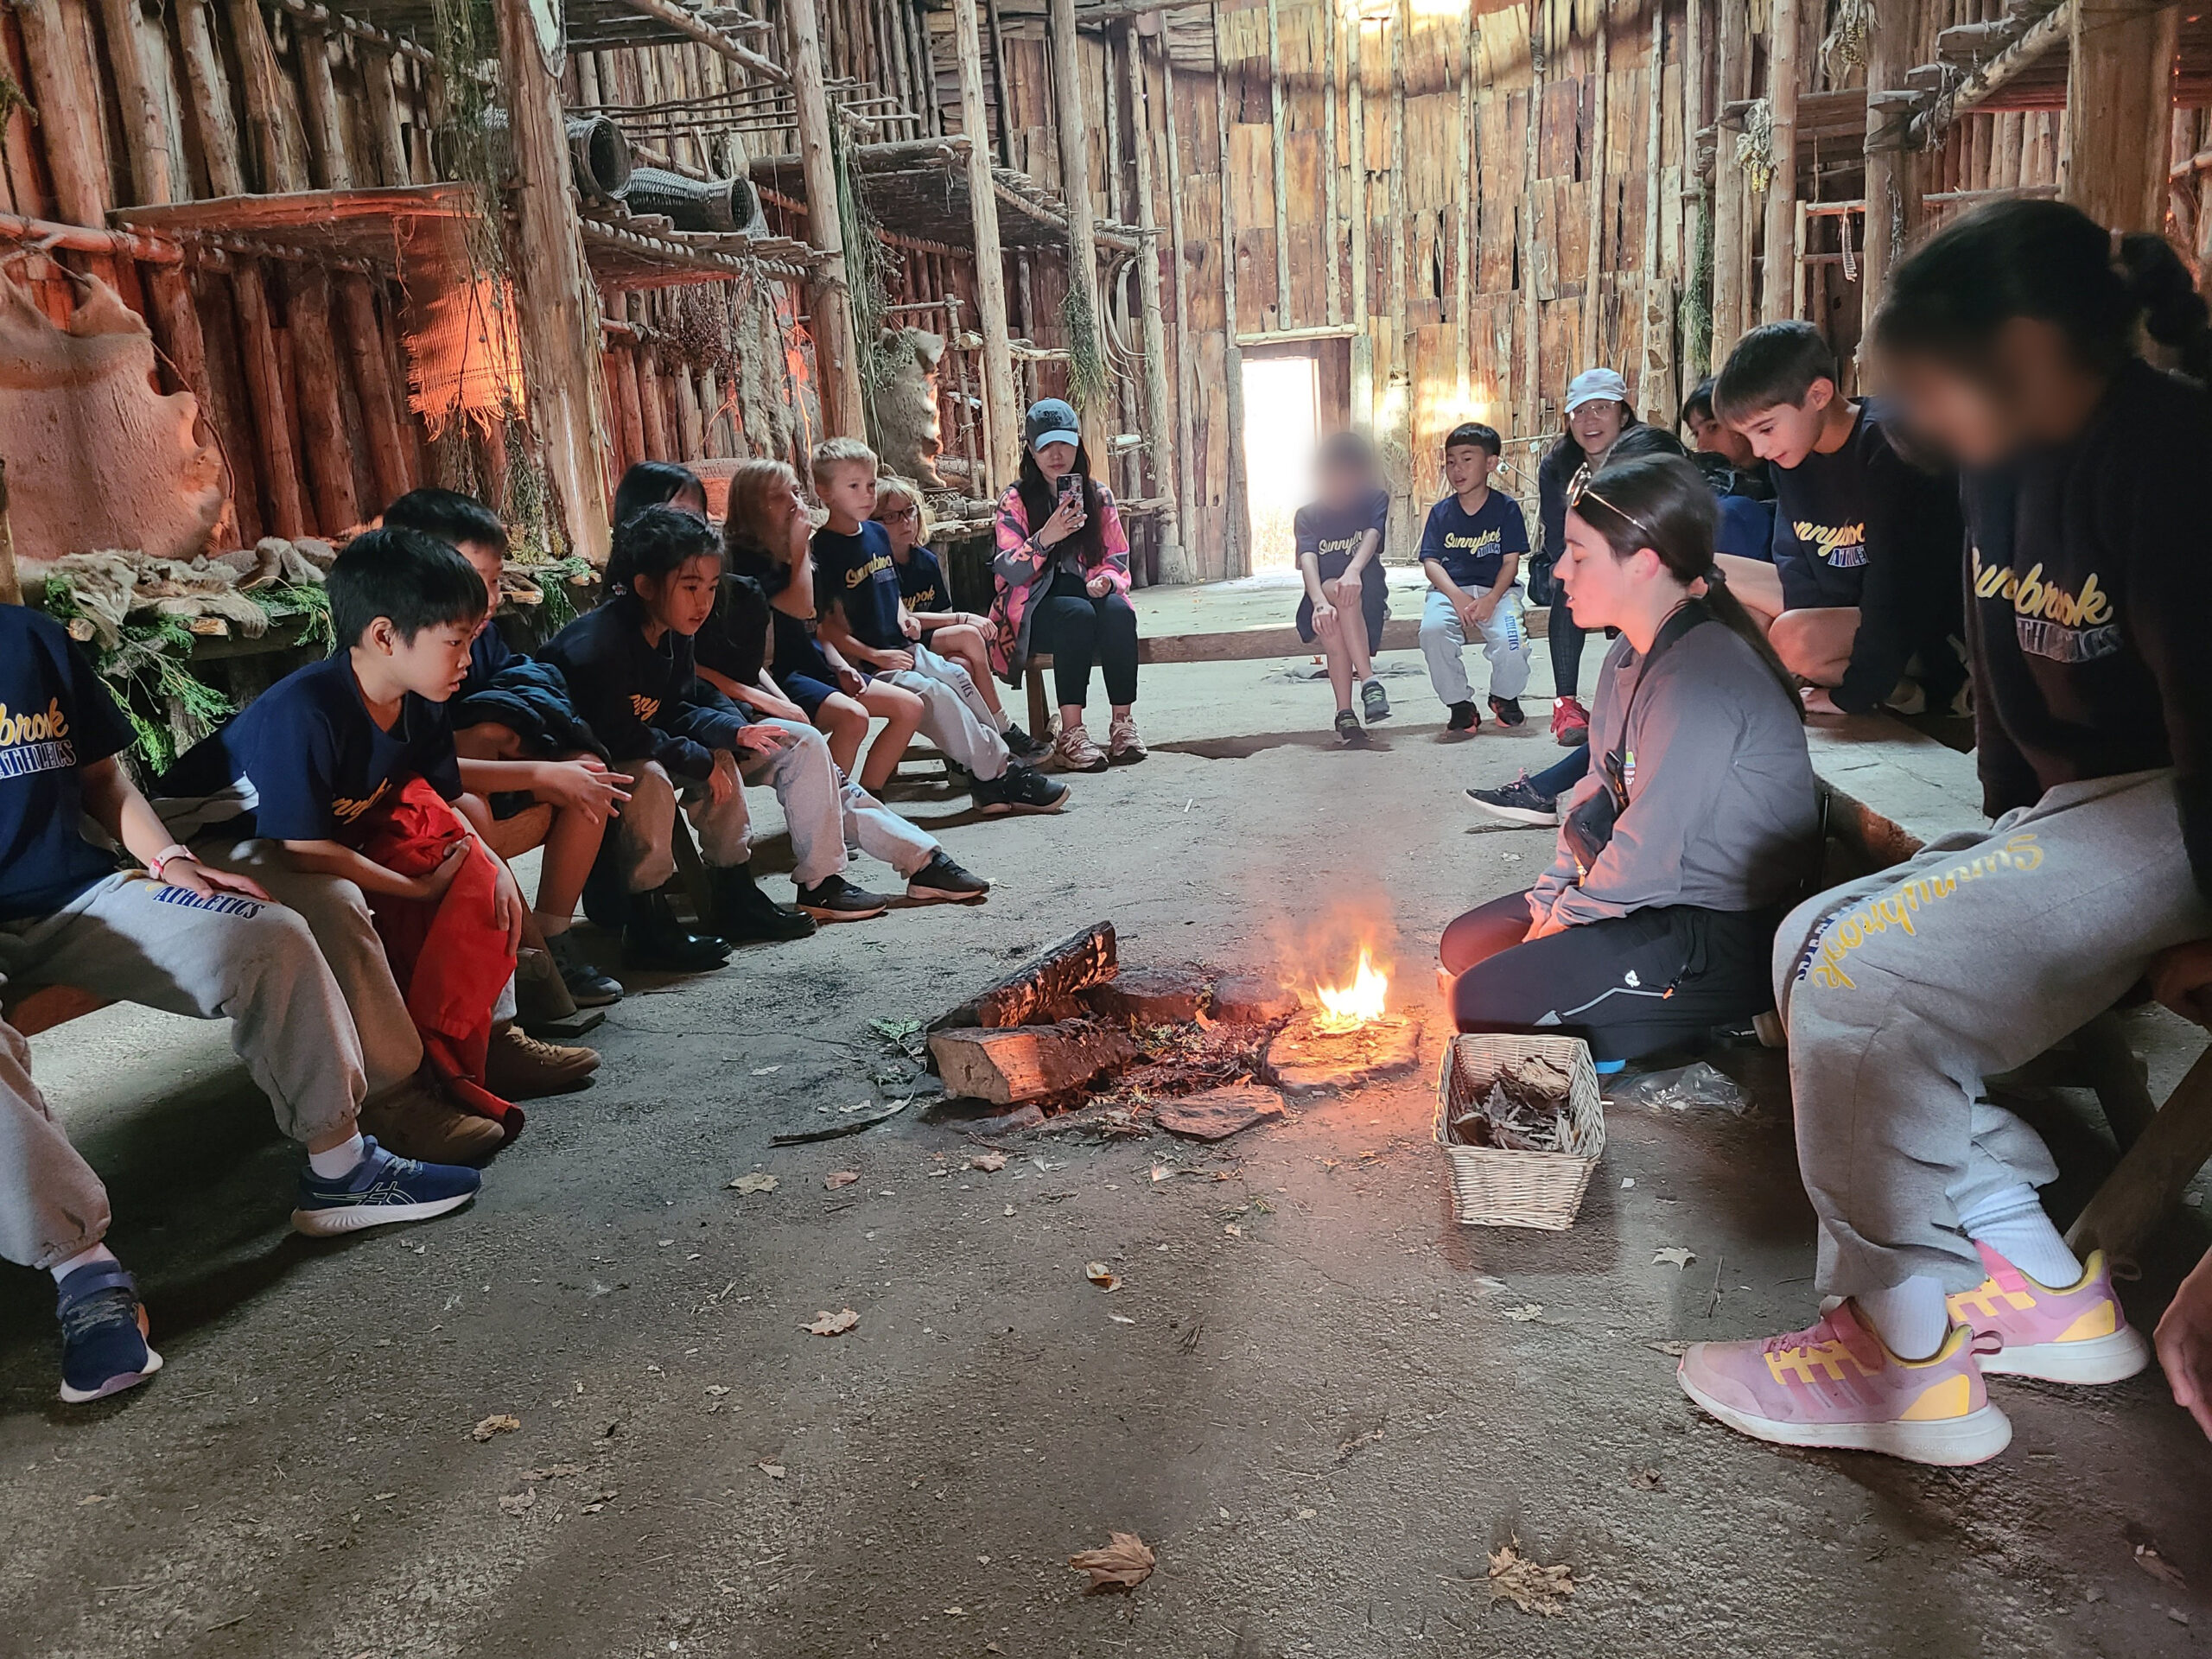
1494	1187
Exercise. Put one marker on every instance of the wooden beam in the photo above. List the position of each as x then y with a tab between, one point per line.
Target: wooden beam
1332	240
1174	564
11	587
1001	414
1888	43
1042	988
65	110
1785	75
836	355
2052	32
685	22
2147	1186
1185	370
1237	532
1074	138
1654	390
1363	344
557	308
210	98
2118	95
1593	293
144	119
1281	191
1027	1062
1730	226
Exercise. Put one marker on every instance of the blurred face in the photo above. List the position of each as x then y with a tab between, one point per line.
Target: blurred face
902	521
1054	459
1597	426
1467	468
848	491
487	563
786	528
433	662
682	601
1785	433
1710	435
1599	586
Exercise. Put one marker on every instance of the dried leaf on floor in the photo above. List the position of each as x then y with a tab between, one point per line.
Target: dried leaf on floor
1101	1276
988	1162
773	1471
500	1424
840	1178
1647	1480
1676	1350
1674	1256
753	1181
763	1070
1121	1319
833	1325
1123	1563
1526	1312
515	1503
2147	1558
1528	1585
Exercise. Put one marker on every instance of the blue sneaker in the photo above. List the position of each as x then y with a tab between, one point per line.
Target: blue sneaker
1609	1068
381	1189
103	1348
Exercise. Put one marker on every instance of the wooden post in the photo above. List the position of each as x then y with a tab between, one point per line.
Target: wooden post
1784	74
1001	414
384	117
1363	343
211	99
146	122
1236	533
11	587
1654	389
1174	565
1187	393
652	401
1332	241
272	415
268	98
333	170
844	397
1283	318
1074	137
1532	391
1465	192
557	308
65	110
322	422
2117	97
1593	296
381	411
1694	363
1730	232
1888	42
170	310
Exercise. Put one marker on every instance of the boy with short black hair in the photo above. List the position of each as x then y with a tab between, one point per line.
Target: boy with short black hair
866	620
287	789
187	939
1867	548
1471	552
582	793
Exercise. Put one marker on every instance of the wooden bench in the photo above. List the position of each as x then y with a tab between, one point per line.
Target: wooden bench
1889	790
1233	645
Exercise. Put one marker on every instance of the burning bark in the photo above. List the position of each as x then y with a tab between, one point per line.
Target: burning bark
1043	989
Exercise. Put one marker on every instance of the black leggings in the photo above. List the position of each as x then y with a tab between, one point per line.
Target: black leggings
1567	648
1628	986
1077	631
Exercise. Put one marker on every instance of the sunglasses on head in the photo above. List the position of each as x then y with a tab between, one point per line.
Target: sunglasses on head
1579	491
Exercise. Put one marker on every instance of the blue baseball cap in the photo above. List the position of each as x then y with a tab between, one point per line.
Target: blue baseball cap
1051	420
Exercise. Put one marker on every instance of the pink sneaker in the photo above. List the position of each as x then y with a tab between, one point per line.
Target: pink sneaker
2079	1334
1836	1385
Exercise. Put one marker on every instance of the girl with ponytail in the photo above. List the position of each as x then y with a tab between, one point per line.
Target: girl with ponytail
2012	339
1698	821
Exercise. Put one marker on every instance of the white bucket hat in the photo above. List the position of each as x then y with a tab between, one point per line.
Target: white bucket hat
1595	386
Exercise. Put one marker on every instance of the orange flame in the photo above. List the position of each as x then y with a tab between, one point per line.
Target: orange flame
1350	1006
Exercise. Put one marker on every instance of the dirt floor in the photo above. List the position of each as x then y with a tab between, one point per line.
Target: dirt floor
1318	1400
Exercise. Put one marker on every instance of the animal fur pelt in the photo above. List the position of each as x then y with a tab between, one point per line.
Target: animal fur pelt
96	457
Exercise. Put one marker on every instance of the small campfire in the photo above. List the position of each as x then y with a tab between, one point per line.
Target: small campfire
1196	1050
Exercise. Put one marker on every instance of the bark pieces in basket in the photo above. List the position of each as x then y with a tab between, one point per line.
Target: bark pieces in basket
1524	1109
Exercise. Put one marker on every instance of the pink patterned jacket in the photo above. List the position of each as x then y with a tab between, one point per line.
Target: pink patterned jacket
1022	573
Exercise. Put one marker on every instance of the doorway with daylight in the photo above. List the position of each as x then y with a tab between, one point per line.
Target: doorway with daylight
1293	398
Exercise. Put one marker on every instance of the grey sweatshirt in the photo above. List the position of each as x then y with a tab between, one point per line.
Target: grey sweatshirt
1722	809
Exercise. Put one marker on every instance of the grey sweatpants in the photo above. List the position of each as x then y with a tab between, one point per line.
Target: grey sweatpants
955	717
1902	991
820	806
132	940
1505	645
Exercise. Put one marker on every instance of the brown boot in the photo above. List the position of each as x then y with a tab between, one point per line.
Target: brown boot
519	1067
416	1120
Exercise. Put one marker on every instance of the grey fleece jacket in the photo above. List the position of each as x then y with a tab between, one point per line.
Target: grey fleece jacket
1722	809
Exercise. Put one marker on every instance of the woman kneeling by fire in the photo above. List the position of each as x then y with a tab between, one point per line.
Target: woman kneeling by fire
1682	848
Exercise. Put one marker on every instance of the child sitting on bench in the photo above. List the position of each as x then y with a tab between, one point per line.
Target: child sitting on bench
631	668
1470	550
582	793
2011	339
866	619
1347	597
186	938
288	791
958	636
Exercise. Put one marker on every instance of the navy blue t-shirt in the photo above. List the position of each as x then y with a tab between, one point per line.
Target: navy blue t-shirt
1472	546
857	574
921	582
1332	535
488	652
56	716
307	760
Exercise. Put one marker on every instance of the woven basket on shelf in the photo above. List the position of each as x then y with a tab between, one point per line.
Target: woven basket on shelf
1494	1187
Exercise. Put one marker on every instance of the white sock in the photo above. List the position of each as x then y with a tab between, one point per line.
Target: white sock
2011	1222
1005	721
1909	1317
341	1159
82	1259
